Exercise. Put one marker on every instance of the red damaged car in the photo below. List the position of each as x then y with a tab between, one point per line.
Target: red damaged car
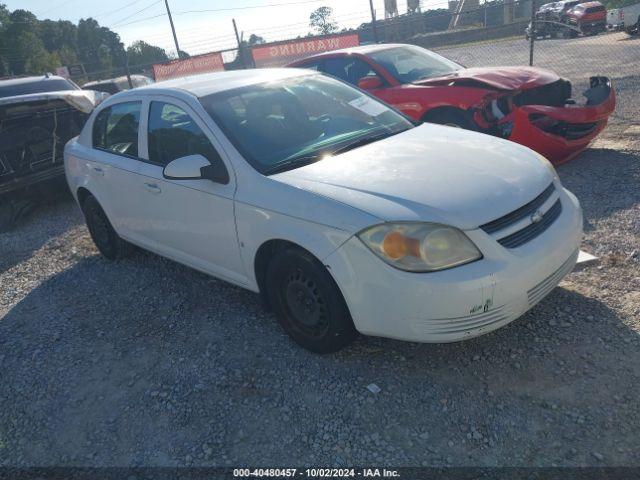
527	105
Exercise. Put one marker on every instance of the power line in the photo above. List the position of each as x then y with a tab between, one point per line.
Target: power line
135	13
249	7
119	9
185	12
56	7
142	19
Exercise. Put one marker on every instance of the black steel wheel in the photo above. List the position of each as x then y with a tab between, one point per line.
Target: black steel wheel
307	302
106	239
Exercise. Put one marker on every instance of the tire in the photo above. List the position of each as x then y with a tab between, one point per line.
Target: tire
6	216
452	118
307	302
109	244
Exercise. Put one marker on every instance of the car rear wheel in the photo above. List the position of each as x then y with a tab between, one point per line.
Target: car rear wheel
452	118
109	244
307	302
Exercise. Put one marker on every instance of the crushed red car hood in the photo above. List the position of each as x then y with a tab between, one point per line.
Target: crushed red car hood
501	78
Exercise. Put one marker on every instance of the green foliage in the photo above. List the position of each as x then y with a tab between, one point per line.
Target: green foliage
321	20
255	39
141	54
29	46
619	3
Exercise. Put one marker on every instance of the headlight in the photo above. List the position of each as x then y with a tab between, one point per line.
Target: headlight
420	247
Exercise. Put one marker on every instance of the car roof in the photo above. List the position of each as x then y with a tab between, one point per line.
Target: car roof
362	49
590	4
23	80
123	78
208	83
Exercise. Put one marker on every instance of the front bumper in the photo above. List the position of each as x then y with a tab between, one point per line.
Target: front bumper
461	302
556	147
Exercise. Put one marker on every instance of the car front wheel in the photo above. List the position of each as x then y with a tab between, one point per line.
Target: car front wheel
102	233
307	302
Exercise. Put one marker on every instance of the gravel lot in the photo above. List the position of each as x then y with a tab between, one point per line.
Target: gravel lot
145	362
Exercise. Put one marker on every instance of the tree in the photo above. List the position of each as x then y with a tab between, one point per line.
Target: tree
321	20
140	55
4	19
32	46
30	55
100	49
255	39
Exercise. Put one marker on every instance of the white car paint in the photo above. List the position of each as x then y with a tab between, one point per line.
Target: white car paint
428	174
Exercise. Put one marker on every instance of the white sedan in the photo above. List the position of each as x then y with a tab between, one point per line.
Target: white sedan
341	212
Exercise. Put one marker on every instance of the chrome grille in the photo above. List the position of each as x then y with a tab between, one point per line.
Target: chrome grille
534	229
520	213
527	222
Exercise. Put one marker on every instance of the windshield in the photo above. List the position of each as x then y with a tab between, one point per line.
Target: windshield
287	123
409	64
27	87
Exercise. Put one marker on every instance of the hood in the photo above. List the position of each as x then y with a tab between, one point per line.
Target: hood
83	100
501	78
429	173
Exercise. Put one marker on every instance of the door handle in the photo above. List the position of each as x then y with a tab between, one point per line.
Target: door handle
98	170
153	188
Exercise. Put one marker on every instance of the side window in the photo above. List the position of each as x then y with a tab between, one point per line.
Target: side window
115	129
174	134
348	69
311	65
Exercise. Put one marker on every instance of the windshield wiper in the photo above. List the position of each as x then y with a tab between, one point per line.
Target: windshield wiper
363	141
303	160
292	163
435	75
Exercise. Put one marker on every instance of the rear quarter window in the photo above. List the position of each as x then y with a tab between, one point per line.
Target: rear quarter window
115	129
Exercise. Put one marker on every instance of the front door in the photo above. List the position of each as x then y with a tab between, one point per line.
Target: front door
191	221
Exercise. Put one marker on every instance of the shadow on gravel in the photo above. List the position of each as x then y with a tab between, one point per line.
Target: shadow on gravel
146	362
604	180
48	220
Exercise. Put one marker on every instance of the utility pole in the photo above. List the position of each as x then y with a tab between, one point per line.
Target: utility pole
240	49
173	29
373	22
485	13
128	72
532	31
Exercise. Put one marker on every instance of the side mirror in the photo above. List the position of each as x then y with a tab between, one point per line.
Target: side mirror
369	83
196	167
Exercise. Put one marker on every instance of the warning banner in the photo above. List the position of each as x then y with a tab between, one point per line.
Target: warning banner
209	62
279	54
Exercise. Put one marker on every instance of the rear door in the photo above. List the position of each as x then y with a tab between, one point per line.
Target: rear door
113	163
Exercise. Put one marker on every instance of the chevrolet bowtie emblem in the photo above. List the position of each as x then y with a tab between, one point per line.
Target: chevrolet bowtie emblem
536	216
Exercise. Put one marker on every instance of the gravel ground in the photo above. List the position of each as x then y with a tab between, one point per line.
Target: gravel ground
145	362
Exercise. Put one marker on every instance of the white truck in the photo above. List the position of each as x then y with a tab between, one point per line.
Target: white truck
614	19
630	17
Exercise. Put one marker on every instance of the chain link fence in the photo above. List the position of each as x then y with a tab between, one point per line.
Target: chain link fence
506	33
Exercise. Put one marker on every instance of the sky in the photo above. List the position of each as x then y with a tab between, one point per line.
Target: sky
206	25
